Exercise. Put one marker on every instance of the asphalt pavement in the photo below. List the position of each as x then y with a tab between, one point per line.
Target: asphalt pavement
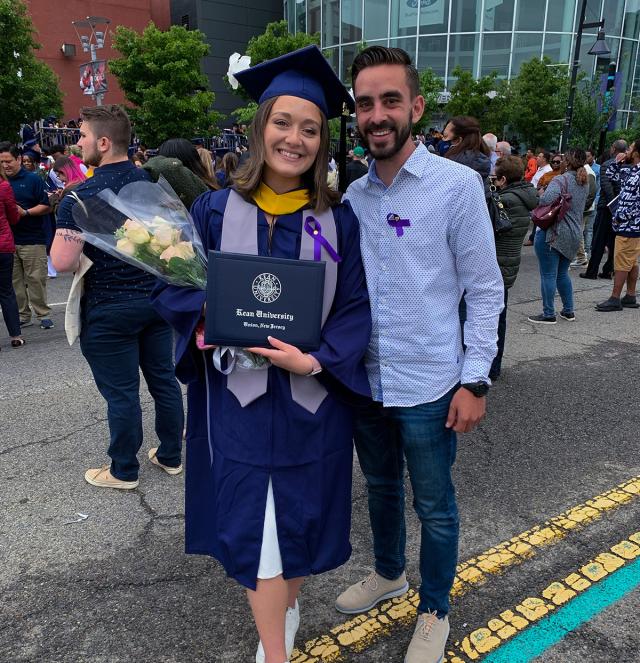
115	586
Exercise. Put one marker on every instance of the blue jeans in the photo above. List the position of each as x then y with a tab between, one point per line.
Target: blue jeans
554	273
496	365
118	339
384	437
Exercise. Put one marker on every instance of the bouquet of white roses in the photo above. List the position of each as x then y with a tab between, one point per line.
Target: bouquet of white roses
146	225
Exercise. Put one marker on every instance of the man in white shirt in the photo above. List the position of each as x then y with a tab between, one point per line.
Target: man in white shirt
544	166
423	244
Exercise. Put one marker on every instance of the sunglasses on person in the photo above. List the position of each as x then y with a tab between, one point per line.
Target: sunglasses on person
556	162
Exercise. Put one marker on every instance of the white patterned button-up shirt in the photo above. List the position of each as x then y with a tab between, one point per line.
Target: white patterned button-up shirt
416	275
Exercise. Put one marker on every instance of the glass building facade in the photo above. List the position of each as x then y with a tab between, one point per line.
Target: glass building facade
481	36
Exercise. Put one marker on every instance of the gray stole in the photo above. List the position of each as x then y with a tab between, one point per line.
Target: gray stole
240	235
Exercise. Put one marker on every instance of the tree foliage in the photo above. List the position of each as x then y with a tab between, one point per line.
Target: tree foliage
160	73
275	41
537	96
470	96
431	87
28	87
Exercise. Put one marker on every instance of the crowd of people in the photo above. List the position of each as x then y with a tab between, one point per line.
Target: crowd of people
425	245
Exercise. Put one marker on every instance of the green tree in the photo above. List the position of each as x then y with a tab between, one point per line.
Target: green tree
276	40
28	87
538	97
431	87
272	43
470	96
160	73
588	121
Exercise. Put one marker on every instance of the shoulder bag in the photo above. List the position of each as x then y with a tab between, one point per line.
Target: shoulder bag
544	216
497	211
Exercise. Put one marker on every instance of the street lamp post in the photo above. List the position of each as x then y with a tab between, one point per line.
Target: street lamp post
600	48
91	33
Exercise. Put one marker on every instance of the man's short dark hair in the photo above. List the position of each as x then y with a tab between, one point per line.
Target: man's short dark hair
546	155
110	121
619	146
378	55
57	148
9	147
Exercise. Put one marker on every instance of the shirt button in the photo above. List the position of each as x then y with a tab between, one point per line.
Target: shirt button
383	266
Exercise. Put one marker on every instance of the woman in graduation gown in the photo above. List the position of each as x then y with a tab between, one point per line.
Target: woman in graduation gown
269	453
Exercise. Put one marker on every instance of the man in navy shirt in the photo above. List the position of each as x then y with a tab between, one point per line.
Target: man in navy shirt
121	333
30	266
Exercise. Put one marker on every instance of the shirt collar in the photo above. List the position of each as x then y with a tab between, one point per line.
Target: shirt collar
125	164
414	165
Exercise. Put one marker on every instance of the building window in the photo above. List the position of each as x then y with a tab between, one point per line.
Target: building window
465	15
331	23
560	15
432	54
184	21
498	15
530	15
525	48
495	54
376	19
434	17
351	20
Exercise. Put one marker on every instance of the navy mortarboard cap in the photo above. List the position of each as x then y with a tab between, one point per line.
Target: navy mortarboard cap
304	73
32	154
197	141
30	143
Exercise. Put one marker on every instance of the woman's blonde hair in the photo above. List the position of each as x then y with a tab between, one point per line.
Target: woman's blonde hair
207	162
248	176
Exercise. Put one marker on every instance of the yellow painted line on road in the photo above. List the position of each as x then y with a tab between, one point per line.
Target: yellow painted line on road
510	622
360	632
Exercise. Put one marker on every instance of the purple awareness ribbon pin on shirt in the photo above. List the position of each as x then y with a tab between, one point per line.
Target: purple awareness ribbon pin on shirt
312	227
399	224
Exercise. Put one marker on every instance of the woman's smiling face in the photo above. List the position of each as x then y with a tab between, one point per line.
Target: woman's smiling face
291	142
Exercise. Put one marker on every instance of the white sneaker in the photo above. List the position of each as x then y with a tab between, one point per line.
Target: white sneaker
291	625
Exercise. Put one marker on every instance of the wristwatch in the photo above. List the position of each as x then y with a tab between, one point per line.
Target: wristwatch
478	389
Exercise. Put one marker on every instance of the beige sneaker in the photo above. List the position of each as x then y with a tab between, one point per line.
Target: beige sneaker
103	478
169	470
365	594
429	639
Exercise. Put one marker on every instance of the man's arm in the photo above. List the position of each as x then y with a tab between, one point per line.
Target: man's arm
36	210
66	249
68	242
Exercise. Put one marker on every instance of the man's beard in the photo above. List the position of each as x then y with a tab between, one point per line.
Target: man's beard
402	133
91	158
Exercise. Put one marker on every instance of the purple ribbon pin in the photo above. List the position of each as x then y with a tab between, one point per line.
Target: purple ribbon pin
399	224
312	227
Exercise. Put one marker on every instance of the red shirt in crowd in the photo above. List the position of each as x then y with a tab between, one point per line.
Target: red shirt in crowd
9	216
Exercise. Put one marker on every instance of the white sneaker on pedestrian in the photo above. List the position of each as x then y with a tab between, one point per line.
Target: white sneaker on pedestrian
429	639
291	625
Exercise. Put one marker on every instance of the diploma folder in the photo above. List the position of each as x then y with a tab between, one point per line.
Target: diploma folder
251	297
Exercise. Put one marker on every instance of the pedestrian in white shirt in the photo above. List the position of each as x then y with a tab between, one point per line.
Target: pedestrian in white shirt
544	166
426	238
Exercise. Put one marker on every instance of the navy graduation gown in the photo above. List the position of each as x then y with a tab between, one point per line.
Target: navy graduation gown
232	451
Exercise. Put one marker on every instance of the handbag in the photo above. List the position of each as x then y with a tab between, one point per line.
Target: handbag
544	216
499	217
